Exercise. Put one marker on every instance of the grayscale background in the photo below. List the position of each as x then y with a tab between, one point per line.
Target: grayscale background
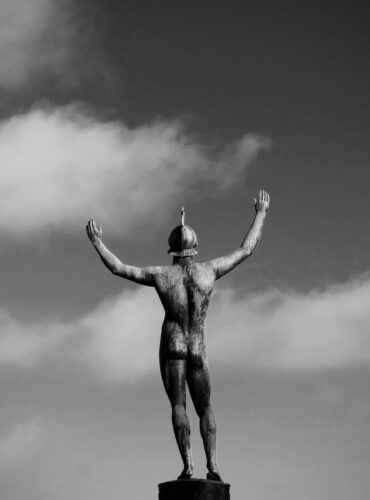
123	111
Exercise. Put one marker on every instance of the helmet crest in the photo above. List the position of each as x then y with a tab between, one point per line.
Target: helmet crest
183	240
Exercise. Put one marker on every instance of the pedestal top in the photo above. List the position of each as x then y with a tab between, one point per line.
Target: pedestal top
194	489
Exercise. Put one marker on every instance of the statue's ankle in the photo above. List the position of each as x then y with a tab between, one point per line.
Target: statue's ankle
187	472
213	473
212	466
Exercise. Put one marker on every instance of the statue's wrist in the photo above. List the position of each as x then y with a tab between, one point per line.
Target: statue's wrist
97	242
262	213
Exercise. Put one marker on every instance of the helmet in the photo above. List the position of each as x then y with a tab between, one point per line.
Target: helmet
183	240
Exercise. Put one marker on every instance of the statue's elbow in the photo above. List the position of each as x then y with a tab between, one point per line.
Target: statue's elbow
114	270
252	246
249	249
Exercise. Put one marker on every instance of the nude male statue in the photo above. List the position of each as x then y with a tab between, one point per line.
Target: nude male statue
184	289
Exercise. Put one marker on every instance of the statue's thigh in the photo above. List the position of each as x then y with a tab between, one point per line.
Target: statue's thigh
174	380
199	387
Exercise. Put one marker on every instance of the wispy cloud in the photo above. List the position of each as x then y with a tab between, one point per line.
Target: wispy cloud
291	331
23	344
35	36
237	156
20	441
275	330
60	166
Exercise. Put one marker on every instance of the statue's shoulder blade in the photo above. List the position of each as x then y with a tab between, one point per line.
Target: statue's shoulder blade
167	275
202	275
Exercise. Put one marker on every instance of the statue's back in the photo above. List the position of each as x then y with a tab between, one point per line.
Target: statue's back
184	292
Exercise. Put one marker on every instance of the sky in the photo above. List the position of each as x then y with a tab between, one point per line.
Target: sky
124	111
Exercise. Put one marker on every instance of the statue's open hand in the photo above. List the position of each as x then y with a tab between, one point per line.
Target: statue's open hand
94	232
263	202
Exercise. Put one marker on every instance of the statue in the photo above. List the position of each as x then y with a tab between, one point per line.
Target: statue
184	289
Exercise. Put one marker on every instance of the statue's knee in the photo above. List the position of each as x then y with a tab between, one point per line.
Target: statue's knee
180	418
178	409
212	427
208	420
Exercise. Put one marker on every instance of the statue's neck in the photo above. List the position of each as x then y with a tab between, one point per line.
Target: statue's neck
183	261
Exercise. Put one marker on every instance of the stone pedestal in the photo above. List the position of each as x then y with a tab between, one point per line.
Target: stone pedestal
194	489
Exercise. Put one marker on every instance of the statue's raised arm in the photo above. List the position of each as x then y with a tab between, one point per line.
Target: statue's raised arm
141	275
224	265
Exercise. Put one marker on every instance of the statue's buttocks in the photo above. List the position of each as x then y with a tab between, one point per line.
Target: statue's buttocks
184	292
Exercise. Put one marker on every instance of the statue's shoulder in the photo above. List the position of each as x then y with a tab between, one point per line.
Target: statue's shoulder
167	272
202	268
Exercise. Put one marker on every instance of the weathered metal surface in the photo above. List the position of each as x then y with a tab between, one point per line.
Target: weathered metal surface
184	289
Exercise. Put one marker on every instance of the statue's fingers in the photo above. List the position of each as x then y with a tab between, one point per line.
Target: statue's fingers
92	227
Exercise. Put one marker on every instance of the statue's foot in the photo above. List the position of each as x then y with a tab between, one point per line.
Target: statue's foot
214	475
187	472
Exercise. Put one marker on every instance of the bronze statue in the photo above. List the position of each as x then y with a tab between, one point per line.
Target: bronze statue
184	289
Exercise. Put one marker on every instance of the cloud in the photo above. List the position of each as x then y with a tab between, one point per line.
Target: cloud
273	330
276	330
35	35
117	340
23	344
61	166
20	441
238	155
291	331
129	347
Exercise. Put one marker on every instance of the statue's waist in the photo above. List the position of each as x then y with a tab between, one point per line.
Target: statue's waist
183	329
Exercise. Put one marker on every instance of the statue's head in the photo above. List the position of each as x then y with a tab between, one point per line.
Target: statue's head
183	240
